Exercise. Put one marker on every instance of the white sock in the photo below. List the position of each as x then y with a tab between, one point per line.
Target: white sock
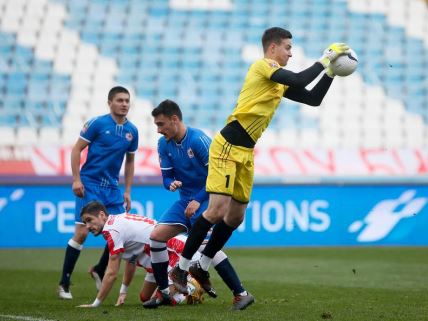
158	256
165	291
75	245
184	264
205	262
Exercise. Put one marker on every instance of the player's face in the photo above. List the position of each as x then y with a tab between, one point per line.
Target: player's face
119	105
167	126
93	223
282	51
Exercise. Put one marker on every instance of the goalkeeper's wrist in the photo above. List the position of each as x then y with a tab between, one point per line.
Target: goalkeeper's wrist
329	73
325	61
123	289
96	303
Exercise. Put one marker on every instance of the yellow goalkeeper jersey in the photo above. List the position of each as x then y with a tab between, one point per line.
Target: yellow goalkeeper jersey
259	98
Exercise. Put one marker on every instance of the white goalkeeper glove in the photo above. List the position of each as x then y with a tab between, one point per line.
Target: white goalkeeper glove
332	52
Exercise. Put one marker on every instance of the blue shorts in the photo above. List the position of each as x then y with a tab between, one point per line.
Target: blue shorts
175	214
112	198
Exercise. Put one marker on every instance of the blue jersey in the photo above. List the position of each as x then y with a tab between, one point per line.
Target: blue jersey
108	144
186	161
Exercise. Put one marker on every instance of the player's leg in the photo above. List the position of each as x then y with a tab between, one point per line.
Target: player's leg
97	271
159	253
242	298
222	232
233	217
172	222
147	291
151	297
217	204
220	184
220	235
72	252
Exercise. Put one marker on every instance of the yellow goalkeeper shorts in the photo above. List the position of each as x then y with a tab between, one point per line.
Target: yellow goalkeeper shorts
230	170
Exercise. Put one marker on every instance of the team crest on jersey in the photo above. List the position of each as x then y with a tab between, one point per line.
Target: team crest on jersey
128	136
190	153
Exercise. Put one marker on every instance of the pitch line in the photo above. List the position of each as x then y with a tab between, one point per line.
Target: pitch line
21	317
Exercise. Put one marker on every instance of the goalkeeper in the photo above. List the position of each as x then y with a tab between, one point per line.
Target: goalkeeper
231	157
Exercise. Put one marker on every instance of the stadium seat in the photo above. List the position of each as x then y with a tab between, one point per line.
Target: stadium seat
63	56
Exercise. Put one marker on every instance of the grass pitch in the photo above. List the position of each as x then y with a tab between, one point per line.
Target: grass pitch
299	284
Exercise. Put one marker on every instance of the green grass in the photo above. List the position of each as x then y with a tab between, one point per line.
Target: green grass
289	284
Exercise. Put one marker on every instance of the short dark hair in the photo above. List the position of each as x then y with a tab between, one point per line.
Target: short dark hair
168	108
93	208
116	90
275	34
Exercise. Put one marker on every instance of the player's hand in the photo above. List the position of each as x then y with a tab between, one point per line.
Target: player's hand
329	72
78	188
127	199
332	52
85	306
175	185
121	299
191	208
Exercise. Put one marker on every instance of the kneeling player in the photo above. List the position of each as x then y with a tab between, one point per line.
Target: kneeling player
128	238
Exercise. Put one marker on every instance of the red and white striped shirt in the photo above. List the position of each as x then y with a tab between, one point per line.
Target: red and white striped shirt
129	234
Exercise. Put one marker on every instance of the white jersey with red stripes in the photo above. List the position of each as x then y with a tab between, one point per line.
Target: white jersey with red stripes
129	234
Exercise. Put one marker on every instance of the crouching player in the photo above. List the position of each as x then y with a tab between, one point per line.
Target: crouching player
128	238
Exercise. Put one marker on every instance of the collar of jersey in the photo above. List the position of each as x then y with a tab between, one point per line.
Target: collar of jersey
182	140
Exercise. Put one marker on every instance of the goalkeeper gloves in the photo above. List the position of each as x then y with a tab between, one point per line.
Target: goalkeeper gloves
332	52
329	72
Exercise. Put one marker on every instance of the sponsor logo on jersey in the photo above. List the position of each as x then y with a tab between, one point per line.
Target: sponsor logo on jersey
190	153
128	137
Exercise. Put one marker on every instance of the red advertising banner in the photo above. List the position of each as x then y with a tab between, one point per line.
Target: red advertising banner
269	161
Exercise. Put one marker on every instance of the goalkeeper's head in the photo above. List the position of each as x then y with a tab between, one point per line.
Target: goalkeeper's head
94	215
277	44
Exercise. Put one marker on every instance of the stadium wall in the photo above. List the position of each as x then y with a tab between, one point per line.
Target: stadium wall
330	214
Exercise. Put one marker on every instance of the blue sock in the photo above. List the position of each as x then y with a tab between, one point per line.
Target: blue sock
70	259
101	267
229	276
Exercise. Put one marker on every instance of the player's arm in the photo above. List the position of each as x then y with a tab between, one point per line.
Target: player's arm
76	151
128	275
311	97
129	177
299	79
108	281
167	168
201	148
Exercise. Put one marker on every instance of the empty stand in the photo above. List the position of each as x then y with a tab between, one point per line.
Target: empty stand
58	59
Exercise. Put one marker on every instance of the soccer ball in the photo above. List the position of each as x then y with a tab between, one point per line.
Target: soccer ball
346	64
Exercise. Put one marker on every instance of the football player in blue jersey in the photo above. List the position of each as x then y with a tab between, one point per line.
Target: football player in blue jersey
109	138
183	157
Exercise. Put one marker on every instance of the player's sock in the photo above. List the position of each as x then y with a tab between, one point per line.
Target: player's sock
205	262
229	277
196	236
160	261
72	253
221	234
101	267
